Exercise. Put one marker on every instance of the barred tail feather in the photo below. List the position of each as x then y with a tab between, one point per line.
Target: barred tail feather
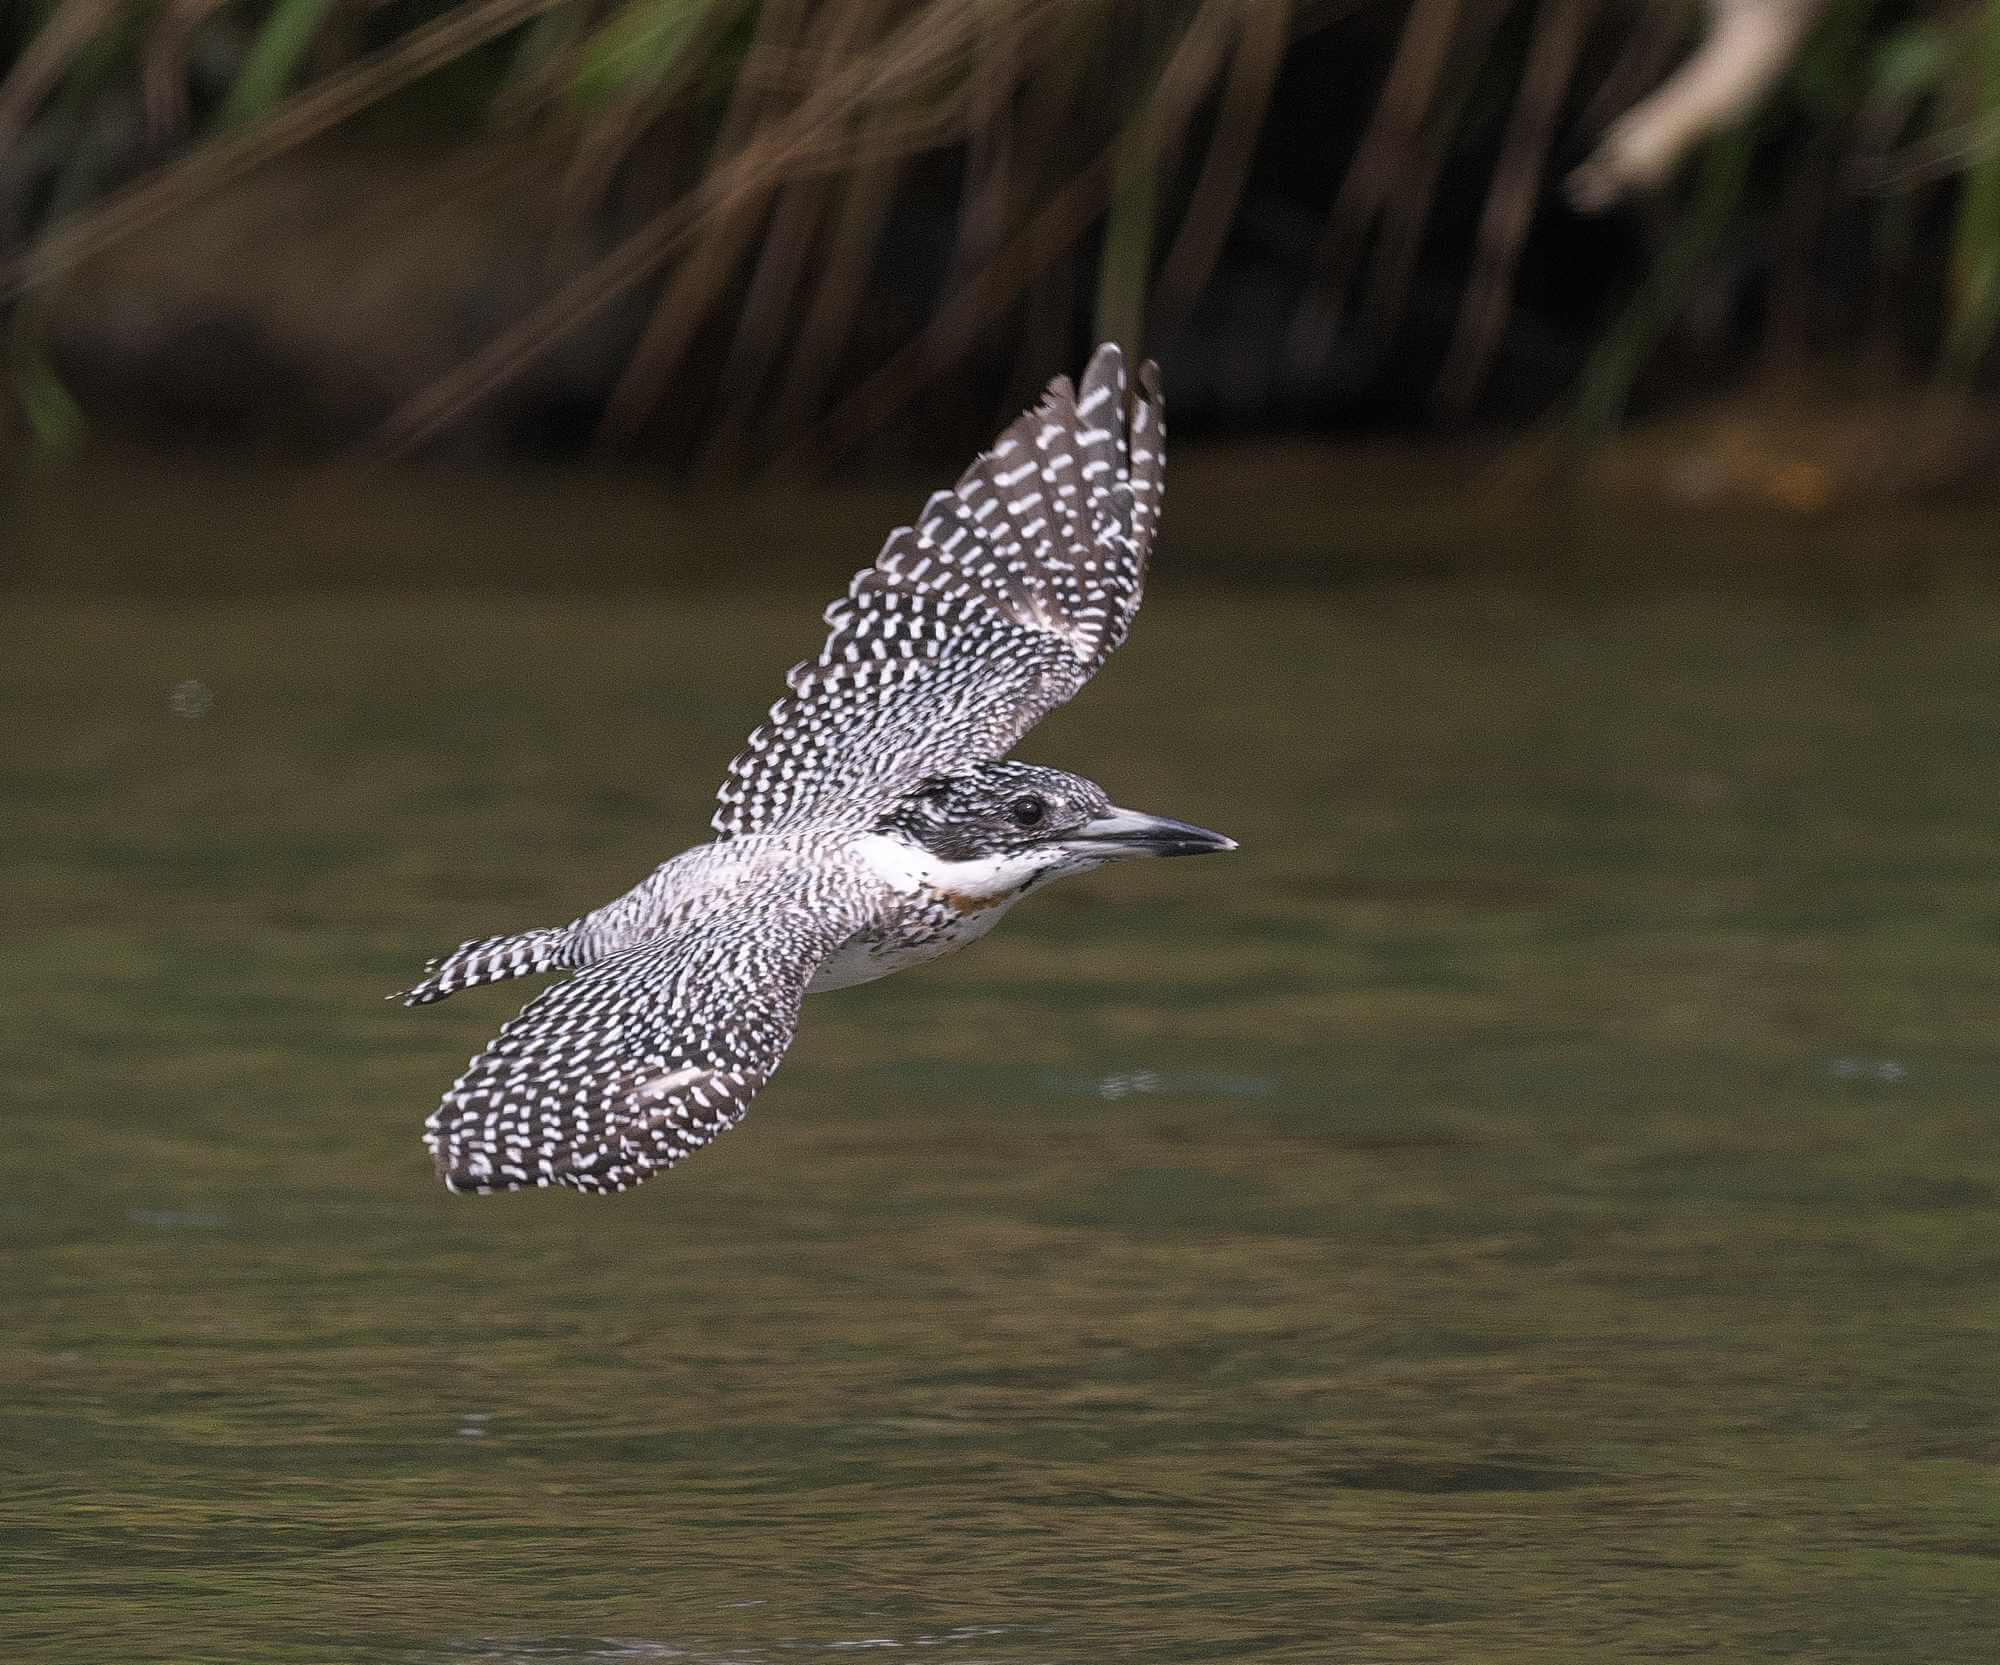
490	960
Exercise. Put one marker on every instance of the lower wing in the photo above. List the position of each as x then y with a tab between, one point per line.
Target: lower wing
641	1059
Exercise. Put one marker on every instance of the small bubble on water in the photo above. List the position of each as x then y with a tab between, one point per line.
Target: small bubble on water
175	1219
190	699
1867	1069
1129	1084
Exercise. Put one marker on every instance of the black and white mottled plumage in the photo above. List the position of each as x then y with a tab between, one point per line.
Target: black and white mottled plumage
644	1057
868	825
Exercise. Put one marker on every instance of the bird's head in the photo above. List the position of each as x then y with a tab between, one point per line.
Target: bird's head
1002	826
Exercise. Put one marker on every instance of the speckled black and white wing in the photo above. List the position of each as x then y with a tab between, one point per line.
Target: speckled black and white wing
1000	602
643	1058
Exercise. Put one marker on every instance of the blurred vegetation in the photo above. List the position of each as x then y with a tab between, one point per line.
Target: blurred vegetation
800	213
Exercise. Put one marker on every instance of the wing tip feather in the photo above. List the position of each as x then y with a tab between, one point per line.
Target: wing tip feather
1049	529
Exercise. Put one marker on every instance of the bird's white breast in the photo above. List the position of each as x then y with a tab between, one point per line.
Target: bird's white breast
930	908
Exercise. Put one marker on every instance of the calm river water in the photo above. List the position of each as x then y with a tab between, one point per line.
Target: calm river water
1538	1202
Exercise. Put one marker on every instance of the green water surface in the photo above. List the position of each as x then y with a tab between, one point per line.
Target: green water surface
1538	1202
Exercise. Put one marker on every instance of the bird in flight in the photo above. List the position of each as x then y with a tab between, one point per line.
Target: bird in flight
873	822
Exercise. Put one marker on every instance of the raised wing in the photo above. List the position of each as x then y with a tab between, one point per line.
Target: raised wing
996	607
641	1059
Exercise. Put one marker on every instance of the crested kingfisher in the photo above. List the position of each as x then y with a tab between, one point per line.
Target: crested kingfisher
872	823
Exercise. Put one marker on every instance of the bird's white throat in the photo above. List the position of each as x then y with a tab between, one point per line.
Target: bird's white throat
985	882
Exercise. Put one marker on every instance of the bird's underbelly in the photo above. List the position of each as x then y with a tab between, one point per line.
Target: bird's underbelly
923	931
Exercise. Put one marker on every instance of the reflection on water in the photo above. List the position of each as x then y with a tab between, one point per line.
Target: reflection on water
1536	1202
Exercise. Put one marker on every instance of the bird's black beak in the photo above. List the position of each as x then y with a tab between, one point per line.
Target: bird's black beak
1125	832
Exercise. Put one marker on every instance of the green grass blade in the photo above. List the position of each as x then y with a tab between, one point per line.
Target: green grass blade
55	421
1622	351
1975	252
1126	266
273	59
640	46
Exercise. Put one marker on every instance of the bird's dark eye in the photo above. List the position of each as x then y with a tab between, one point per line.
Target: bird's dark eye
1027	810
